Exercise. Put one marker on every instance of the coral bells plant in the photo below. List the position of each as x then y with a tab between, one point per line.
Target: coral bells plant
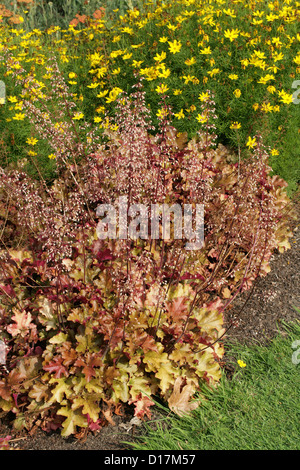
92	323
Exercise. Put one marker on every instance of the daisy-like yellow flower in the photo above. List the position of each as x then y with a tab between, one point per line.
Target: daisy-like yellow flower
190	61
31	153
102	94
235	125
78	116
213	72
237	93
31	141
174	46
251	142
116	71
255	106
285	97
266	79
72	75
161	88
267	107
52	156
127	30
19	117
97	119
162	113
93	85
163	39
160	57
137	63
231	34
203	96
233	76
241	363
115	54
177	92
229	12
113	94
274	152
127	56
201	118
206	50
162	71
179	115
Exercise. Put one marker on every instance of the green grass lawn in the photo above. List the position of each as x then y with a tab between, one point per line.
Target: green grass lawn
257	409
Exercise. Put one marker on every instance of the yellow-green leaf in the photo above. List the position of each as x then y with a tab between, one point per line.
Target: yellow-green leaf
73	419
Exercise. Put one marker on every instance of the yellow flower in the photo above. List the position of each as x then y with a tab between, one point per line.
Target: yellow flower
162	88
255	106
52	156
233	76
175	46
229	13
116	71
93	85
179	115
97	119
137	63
102	94
201	118
206	51
285	97
127	56
160	57
31	153
177	92
78	116
274	152
163	39
113	94
19	106
190	61
237	93
251	142
19	117
162	113
241	363
31	141
203	96
266	107
213	72
231	34
235	125
162	72
266	79
72	75
127	30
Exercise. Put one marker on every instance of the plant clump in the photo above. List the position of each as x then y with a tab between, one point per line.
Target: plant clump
89	323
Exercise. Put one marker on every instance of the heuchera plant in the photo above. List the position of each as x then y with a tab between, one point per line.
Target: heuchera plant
90	324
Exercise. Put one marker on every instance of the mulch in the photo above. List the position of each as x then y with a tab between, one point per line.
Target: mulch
272	302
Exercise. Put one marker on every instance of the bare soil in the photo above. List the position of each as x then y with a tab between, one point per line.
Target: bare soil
272	301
